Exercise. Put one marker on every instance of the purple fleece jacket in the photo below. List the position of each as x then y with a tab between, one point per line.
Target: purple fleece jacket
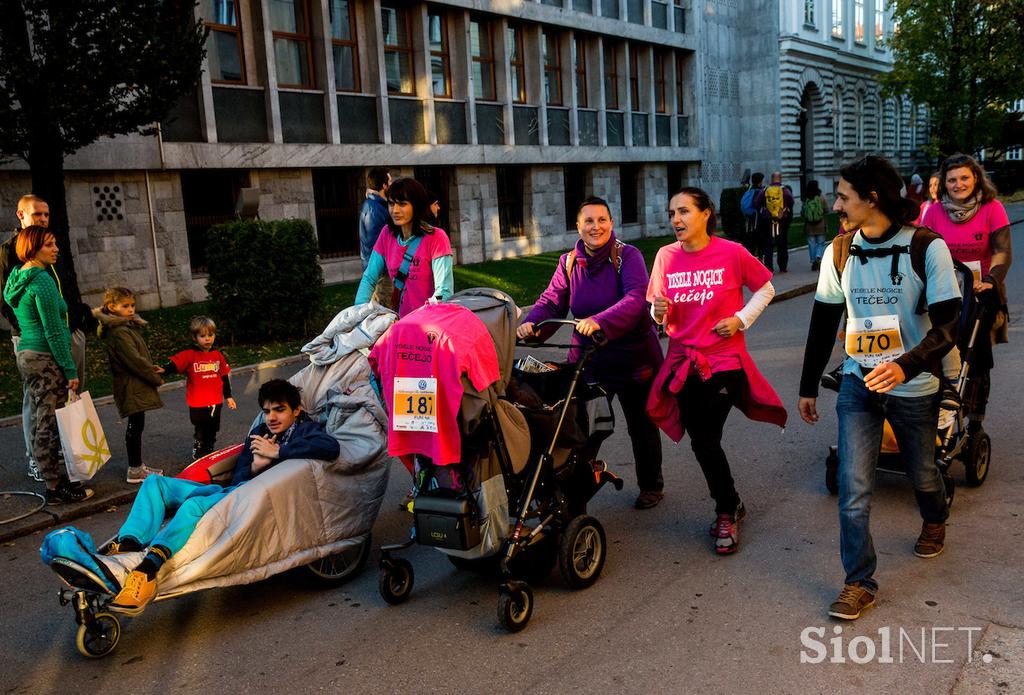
617	301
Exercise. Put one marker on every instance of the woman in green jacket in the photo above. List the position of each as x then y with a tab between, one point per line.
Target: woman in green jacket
44	355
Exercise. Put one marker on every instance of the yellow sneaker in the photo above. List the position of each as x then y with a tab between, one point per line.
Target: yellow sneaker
135	595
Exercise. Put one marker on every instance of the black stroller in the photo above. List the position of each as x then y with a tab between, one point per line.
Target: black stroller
954	442
516	502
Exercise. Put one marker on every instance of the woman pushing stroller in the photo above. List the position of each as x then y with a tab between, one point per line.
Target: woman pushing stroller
696	291
603	281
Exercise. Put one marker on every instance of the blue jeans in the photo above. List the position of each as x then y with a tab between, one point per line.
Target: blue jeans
815	246
914	422
158	495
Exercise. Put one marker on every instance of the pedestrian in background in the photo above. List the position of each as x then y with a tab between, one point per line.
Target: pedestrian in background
814	207
135	378
373	215
774	207
750	238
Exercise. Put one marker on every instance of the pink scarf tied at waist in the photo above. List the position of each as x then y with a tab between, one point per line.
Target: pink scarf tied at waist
758	400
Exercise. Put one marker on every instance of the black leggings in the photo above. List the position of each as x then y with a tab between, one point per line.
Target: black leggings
704	407
133	438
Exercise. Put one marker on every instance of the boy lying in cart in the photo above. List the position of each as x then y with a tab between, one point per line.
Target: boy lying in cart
285	433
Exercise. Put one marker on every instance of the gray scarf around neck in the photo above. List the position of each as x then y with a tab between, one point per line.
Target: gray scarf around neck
961	212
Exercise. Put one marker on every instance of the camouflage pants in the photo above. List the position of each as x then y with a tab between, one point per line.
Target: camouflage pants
48	388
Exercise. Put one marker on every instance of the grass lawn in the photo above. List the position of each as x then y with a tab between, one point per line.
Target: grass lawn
522	278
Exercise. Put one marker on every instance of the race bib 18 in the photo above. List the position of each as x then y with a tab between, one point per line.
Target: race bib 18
873	340
414	407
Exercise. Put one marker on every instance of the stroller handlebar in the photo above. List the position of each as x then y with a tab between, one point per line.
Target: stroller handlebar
598	337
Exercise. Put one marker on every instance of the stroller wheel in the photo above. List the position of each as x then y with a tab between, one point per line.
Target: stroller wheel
395	580
340	567
832	471
581	553
98	637
950	487
979	455
515	605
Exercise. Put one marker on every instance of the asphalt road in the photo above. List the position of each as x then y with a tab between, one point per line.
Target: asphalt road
666	616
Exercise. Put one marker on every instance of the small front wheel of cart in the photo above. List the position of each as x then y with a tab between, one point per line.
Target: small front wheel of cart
515	605
396	579
99	636
950	487
342	566
832	471
979	455
581	553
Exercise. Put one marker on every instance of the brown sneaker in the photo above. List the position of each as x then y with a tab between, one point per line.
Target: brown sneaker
852	601
135	595
648	499
931	541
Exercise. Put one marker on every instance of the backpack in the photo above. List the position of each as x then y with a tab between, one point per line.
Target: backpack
774	202
843	248
615	257
747	203
813	210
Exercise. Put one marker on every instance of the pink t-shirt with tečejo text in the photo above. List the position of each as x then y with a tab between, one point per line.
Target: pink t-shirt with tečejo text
419	287
703	287
441	342
968	241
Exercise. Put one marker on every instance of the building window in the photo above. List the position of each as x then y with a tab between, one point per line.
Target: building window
575	178
482	50
837	18
337	196
634	79
1015	154
398	68
579	59
611	76
343	45
209	198
224	47
659	14
660	84
629	192
510	202
680	64
293	55
583	6
440	77
837	115
679	15
858	21
610	8
809	12
552	68
517	64
879	22
858	116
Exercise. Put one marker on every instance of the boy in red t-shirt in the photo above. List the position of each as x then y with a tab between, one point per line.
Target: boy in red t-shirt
207	385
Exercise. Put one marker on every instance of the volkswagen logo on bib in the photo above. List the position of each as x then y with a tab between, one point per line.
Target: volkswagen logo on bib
422	384
867	324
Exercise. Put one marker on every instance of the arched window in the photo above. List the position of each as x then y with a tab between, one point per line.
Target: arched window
858	116
837	117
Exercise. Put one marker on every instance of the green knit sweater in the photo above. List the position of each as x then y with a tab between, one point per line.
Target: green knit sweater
42	315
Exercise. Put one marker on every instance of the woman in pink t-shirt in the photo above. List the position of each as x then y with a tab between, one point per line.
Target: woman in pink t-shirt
976	229
429	272
696	291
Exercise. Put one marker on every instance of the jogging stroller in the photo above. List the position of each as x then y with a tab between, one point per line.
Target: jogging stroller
303	514
954	442
516	501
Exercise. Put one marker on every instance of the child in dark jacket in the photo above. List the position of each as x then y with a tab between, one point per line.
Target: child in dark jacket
135	377
207	385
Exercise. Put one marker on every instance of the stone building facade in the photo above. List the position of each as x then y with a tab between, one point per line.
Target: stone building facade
512	112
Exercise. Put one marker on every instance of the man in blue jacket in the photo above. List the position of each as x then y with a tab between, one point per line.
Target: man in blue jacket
374	213
285	433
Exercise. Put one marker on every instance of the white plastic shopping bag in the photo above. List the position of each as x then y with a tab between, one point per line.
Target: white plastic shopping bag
81	438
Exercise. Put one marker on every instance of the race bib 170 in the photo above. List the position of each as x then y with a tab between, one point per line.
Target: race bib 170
873	340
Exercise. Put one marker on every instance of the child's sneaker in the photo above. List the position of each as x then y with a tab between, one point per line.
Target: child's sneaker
135	595
136	474
33	471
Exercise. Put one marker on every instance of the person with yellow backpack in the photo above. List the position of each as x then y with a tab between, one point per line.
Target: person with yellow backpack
774	214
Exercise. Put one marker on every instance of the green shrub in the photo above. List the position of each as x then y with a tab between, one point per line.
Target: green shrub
265	279
730	216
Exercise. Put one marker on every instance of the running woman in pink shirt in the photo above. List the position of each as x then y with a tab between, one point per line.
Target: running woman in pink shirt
696	291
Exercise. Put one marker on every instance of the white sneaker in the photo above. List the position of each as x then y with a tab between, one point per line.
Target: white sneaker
136	474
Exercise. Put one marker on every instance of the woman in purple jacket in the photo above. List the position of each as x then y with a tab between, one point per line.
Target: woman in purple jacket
603	282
